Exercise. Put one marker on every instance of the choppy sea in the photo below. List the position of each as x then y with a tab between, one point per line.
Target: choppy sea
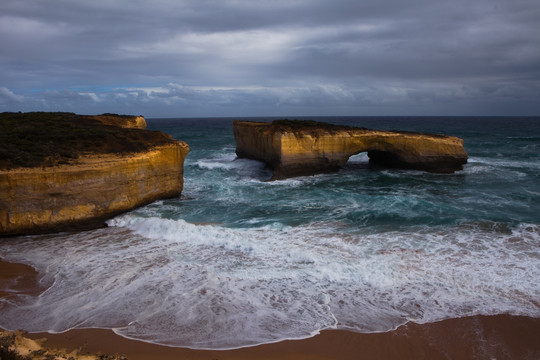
239	261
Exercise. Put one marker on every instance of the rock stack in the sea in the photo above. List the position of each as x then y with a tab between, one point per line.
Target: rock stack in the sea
296	148
61	171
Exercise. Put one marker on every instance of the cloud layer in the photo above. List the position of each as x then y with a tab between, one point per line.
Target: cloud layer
248	58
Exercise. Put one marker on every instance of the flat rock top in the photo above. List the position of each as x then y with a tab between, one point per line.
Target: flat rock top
286	125
302	127
38	139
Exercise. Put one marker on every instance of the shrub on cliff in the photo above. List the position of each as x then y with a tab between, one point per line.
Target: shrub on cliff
48	139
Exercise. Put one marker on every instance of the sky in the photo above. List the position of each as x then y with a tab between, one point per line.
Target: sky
236	58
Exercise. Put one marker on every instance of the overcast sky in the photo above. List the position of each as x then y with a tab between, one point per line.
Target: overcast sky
191	58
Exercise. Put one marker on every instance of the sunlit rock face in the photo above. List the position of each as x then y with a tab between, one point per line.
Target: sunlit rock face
70	197
93	187
297	148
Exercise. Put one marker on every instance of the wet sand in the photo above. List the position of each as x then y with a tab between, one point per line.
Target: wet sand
477	337
18	278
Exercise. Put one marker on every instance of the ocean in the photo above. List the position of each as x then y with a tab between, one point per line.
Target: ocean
239	261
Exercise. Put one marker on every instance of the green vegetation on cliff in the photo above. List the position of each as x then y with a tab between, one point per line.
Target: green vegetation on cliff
308	125
54	138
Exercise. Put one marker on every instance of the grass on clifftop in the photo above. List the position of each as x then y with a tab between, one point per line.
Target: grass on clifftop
48	139
309	126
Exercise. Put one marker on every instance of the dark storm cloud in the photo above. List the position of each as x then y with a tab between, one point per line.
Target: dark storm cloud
240	57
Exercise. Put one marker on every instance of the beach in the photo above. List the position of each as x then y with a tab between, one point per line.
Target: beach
476	337
480	337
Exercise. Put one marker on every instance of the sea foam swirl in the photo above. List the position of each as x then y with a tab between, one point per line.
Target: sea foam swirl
206	286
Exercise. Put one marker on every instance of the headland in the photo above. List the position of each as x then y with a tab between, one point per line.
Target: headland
62	171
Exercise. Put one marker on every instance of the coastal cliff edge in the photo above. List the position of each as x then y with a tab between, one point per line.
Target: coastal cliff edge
82	170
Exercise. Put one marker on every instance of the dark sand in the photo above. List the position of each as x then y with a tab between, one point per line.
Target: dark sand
18	278
477	337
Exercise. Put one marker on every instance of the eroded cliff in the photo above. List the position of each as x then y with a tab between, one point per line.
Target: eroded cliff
90	186
296	148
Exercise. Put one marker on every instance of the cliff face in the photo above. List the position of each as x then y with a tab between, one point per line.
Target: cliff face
36	200
62	171
296	149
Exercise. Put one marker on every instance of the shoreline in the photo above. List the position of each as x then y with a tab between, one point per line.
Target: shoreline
474	337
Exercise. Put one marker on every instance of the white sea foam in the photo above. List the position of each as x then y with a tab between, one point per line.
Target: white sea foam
176	283
504	162
228	161
218	161
503	168
211	165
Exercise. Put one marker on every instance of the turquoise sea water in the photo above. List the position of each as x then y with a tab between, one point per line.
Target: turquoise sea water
239	261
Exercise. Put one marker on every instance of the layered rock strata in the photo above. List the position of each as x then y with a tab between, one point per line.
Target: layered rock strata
297	148
85	193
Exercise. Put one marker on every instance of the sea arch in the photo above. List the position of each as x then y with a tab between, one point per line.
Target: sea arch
297	148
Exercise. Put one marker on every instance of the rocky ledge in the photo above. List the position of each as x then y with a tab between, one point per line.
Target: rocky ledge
297	148
61	171
17	345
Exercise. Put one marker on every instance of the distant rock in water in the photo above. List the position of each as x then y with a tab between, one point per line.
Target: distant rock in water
297	148
62	171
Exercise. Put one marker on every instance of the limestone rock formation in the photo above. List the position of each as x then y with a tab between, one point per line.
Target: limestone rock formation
93	186
297	148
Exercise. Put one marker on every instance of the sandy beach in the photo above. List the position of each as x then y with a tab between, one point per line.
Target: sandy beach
479	337
476	337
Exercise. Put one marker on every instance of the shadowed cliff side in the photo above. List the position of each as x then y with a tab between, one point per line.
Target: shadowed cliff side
297	148
61	171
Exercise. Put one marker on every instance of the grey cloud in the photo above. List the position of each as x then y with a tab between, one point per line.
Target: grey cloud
389	98
290	56
8	95
9	99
